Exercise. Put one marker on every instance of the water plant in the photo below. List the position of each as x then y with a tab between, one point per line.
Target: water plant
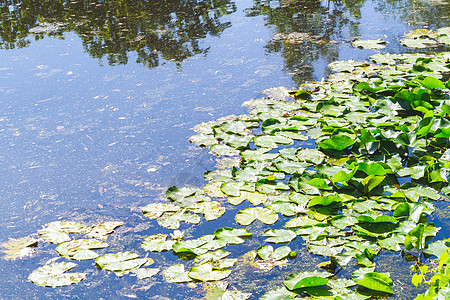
352	165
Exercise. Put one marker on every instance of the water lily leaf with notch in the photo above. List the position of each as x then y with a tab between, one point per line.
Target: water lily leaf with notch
342	221
55	275
291	167
279	236
237	141
372	168
224	150
312	155
436	248
272	141
279	294
143	273
236	127
302	221
303	280
260	154
211	257
232	236
417	43
312	232
271	187
416	172
235	295
203	140
156	210
347	66
212	210
266	252
206	272
255	198
336	142
100	231
391	243
80	249
247	215
120	263
324	200
369	44
172	220
377	282
58	231
371	182
175	194
234	188
176	274
19	248
190	246
157	243
287	209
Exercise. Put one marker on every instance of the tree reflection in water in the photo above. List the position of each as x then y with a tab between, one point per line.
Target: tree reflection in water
170	30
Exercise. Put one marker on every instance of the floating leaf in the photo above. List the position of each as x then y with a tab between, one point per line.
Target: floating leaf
298	281
19	248
247	215
336	142
80	249
176	274
143	273
206	272
232	236
157	243
267	252
120	263
369	44
377	282
235	295
55	275
279	236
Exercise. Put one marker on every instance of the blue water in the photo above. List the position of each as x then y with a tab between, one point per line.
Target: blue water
81	139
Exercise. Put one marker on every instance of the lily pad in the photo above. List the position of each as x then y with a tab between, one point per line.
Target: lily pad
19	248
55	275
120	263
280	236
80	249
369	44
232	236
206	272
176	274
247	215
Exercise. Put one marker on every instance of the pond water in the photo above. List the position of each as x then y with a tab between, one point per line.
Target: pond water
97	102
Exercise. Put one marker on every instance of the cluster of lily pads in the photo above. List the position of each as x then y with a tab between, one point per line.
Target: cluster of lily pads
352	165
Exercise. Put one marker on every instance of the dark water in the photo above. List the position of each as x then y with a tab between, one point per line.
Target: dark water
95	96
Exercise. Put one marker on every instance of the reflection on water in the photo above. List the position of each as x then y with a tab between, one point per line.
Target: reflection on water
308	32
171	30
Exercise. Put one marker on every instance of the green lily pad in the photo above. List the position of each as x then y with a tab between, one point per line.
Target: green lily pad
19	248
80	249
303	280
176	274
120	263
232	236
247	215
267	252
376	281
206	272
54	275
143	273
157	243
280	236
369	44
336	142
